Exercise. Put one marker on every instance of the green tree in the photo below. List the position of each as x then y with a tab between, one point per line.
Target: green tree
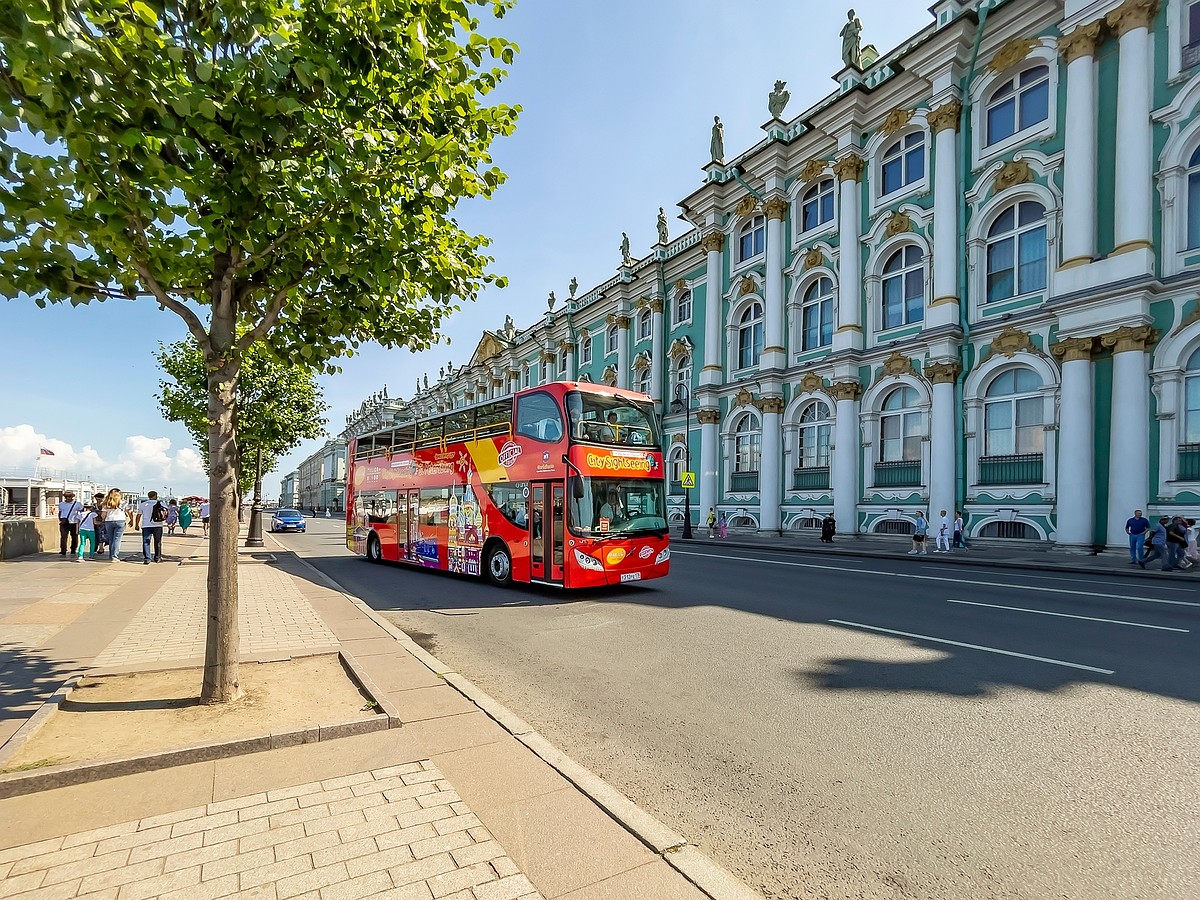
278	404
275	172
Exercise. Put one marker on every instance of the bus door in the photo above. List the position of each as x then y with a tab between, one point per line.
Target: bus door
407	523
546	531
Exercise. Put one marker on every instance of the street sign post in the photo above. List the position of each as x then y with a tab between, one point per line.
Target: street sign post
688	480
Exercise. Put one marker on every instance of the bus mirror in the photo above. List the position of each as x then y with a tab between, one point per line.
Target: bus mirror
577	488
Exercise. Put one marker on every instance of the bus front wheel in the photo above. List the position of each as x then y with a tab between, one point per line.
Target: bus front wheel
374	553
499	566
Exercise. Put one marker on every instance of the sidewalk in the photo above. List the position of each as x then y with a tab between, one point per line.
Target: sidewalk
994	554
463	801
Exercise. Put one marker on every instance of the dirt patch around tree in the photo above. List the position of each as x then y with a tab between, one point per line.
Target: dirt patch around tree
115	716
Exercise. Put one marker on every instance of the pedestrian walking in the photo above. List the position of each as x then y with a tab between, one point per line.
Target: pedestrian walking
70	511
152	515
1177	542
1157	541
943	533
920	532
723	527
828	529
172	516
1192	554
87	534
114	523
712	522
960	541
204	508
1137	527
98	508
185	517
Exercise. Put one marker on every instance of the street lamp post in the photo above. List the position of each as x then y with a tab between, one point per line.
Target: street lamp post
683	403
254	535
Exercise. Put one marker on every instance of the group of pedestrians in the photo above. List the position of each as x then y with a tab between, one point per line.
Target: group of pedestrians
91	529
948	534
1172	541
718	525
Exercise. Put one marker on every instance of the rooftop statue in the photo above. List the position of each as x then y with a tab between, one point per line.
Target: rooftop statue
626	259
778	99
852	41
717	145
551	300
663	235
573	286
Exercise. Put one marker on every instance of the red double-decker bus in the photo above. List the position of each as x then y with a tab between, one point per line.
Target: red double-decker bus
561	484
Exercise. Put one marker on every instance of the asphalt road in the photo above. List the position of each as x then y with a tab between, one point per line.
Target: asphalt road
888	729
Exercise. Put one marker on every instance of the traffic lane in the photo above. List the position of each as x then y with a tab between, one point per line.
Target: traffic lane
1011	640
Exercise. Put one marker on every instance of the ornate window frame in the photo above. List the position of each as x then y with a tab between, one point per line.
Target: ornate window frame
729	441
796	204
874	151
733	332
1171	175
870	423
737	263
1042	52
1167	376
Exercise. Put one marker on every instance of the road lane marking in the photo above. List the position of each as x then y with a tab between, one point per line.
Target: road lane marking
999	584
936	640
1044	612
1077	579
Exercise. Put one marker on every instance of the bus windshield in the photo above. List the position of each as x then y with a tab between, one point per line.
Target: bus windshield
617	506
612	421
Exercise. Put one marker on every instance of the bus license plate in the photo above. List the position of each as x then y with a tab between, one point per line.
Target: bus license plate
631	576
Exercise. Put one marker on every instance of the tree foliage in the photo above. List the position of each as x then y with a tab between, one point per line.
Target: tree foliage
278	404
276	172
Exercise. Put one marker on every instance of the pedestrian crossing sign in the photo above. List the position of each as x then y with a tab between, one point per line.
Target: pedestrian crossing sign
688	480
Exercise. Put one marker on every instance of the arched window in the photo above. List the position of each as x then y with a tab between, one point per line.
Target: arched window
1193	200
683	371
1191	392
812	446
644	324
641	380
1012	415
903	162
562	362
585	350
611	338
747	448
678	465
903	288
816	207
1016	252
1021	102
901	427
752	238
750	336
683	307
816	315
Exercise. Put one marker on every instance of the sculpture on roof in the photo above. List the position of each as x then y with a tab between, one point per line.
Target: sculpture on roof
663	235
426	381
716	146
573	286
778	99
509	327
626	259
550	301
852	41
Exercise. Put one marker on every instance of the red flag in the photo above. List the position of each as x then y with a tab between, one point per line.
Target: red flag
45	452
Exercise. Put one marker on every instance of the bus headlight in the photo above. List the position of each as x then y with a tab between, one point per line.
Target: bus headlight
663	556
588	562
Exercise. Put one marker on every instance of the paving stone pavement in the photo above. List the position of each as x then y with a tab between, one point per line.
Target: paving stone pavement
399	832
273	616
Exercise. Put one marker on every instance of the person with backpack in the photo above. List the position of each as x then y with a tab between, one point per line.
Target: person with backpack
152	516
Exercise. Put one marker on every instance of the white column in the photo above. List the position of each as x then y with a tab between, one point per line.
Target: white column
770	465
622	323
710	440
1129	441
774	355
1079	150
946	248
712	373
1076	444
568	349
849	334
943	456
846	455
1135	165
657	351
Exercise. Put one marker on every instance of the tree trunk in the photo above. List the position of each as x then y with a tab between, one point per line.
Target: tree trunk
221	652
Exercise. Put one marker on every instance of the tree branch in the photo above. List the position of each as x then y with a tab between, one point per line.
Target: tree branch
194	325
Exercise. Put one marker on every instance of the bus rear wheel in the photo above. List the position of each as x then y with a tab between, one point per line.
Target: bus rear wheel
374	553
499	566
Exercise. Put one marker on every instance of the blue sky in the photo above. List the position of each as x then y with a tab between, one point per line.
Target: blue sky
618	99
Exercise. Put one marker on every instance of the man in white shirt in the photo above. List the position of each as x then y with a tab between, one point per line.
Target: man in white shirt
70	511
943	533
204	516
152	515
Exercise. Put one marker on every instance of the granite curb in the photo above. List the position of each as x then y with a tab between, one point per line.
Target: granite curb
974	559
15	784
686	859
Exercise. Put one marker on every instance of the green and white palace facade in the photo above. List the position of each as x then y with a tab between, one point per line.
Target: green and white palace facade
968	278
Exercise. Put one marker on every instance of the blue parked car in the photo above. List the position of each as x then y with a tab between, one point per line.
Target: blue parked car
287	520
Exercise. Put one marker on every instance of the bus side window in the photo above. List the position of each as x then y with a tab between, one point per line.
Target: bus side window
539	417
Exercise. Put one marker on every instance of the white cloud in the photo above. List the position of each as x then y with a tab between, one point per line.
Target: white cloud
144	460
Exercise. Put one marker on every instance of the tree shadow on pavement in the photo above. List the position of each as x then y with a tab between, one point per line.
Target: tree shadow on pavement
27	678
